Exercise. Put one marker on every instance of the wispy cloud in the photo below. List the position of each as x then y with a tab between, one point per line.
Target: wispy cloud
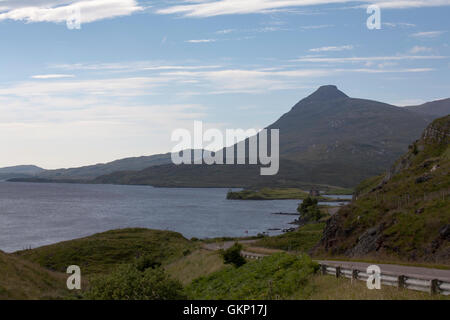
60	10
419	49
332	48
398	24
201	40
209	8
367	59
427	34
319	26
52	76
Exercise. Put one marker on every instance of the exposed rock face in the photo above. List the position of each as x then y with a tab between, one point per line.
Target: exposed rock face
368	242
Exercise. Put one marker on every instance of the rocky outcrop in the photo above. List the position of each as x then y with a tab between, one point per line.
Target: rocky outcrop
406	215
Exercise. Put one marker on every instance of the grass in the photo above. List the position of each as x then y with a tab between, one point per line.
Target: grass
268	194
410	208
21	279
199	263
301	240
101	252
332	288
279	276
339	191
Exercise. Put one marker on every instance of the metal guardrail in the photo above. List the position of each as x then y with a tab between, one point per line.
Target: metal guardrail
433	286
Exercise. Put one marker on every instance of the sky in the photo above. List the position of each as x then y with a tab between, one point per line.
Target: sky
91	81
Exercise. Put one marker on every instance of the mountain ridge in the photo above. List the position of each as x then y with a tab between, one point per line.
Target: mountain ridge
325	138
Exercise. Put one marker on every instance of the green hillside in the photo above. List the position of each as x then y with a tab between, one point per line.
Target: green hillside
403	214
21	279
101	252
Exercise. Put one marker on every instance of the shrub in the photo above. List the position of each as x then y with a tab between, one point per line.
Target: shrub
233	255
279	276
128	283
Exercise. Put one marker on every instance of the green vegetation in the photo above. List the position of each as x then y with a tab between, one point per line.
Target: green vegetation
338	191
233	255
268	194
21	279
126	282
101	252
404	214
198	263
301	240
332	288
280	276
309	210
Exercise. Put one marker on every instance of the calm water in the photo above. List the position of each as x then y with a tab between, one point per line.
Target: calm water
39	214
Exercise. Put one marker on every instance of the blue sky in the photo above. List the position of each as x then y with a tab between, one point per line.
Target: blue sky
137	70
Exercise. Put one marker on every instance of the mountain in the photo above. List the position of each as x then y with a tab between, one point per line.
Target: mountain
93	171
436	109
404	213
326	138
31	170
19	172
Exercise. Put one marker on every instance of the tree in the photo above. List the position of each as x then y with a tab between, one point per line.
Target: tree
309	209
233	255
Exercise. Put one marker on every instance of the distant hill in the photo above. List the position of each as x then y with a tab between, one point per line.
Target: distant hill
439	108
25	171
403	214
327	138
31	170
93	171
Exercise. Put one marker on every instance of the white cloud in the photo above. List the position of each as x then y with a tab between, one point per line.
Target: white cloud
210	8
332	48
61	11
367	59
319	26
52	76
428	34
399	24
201	40
419	49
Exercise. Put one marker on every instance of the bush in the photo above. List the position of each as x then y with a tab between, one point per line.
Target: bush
145	262
279	276
128	283
233	255
309	209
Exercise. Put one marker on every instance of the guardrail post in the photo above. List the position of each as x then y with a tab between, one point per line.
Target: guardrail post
338	272
323	268
401	282
355	274
434	286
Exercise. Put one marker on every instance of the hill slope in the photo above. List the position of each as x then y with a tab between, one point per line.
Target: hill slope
326	138
91	172
21	279
438	108
101	252
403	214
19	172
